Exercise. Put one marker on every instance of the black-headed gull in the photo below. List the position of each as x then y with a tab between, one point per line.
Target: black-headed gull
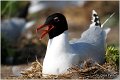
62	54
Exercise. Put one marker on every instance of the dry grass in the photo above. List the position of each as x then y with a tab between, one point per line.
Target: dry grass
89	70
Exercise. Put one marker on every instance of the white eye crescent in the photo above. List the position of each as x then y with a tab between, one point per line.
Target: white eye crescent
56	19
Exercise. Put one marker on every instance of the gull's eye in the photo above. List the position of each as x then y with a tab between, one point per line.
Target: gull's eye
56	19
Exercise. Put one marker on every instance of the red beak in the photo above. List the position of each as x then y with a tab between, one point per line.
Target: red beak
44	32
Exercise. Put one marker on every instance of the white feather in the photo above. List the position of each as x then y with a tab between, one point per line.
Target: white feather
107	20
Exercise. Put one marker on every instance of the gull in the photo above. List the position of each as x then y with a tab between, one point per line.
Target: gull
61	54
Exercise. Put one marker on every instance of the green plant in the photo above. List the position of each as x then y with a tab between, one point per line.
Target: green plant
112	54
11	8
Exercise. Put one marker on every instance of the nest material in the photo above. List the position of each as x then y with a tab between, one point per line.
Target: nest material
89	70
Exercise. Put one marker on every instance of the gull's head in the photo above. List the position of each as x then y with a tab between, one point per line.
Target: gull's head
55	25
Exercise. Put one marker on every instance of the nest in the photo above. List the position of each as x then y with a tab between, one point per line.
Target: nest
89	70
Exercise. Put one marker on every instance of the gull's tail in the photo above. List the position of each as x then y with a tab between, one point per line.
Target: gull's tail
96	22
95	19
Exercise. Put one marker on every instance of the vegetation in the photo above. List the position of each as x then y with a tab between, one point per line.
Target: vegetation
112	54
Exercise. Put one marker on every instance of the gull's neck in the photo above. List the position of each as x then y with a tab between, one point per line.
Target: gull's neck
58	45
